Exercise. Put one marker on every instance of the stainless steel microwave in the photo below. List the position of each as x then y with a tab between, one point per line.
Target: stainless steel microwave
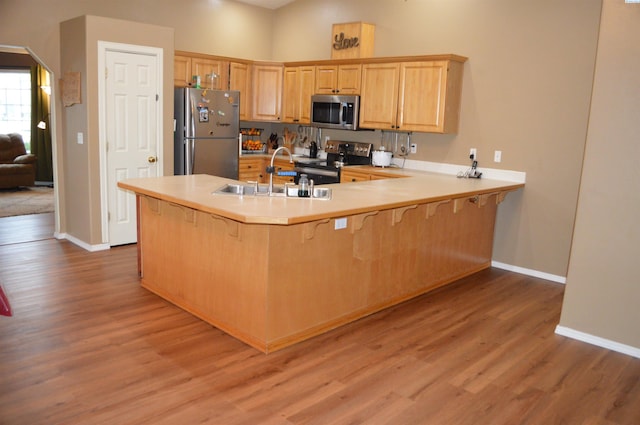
335	111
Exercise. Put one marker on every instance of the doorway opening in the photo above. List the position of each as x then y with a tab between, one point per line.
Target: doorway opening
26	108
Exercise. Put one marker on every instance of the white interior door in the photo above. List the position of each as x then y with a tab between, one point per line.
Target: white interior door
132	139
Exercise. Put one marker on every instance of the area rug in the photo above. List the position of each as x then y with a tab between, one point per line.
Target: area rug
26	200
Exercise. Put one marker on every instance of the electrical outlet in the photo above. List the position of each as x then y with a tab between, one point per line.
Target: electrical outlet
414	148
497	156
473	152
340	223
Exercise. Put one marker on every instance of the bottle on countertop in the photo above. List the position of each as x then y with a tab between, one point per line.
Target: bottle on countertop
303	186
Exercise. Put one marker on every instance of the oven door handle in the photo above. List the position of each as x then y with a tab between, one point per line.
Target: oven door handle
310	171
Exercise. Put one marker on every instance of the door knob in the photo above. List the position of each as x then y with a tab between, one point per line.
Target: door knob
152	159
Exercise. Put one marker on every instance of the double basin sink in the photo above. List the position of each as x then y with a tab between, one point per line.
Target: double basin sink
286	191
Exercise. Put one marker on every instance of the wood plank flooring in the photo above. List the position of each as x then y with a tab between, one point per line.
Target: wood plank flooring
88	345
26	228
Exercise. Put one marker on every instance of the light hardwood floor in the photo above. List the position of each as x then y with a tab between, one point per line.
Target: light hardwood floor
26	228
88	345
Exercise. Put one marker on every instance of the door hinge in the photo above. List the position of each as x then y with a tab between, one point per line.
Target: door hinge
157	97
106	73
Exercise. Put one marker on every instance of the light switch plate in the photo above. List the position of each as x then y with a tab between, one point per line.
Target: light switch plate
80	138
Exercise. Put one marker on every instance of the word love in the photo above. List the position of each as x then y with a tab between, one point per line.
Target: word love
342	43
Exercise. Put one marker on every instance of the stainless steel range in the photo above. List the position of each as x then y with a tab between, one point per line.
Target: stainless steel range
339	155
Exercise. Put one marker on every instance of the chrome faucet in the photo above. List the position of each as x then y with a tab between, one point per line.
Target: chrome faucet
271	169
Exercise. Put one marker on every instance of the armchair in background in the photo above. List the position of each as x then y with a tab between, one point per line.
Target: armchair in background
17	167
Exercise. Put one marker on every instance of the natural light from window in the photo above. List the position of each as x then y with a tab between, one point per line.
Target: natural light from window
15	103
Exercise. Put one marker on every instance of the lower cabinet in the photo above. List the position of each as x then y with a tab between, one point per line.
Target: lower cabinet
282	164
255	169
359	175
252	169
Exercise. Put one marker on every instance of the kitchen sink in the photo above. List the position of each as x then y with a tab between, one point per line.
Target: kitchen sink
288	191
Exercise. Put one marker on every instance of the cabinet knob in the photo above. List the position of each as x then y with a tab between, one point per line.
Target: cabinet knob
152	159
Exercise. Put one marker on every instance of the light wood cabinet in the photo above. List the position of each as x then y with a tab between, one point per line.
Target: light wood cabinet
349	175
298	86
410	93
266	92
379	96
206	67
282	164
411	96
252	169
181	71
338	79
185	66
240	79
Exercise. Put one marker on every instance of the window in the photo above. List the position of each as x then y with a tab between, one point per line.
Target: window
15	103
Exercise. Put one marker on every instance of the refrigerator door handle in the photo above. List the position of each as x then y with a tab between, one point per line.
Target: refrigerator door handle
189	153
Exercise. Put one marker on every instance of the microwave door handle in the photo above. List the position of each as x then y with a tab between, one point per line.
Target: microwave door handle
343	112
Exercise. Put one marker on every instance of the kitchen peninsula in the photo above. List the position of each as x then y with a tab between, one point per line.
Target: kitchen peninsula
274	271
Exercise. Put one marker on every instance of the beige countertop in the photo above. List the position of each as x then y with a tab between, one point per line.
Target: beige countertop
418	187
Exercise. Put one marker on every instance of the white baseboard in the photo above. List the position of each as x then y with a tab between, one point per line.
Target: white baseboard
82	244
529	272
598	341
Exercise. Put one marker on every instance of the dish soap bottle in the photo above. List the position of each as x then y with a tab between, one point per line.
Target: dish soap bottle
303	186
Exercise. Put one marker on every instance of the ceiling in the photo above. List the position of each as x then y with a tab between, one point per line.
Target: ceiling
269	4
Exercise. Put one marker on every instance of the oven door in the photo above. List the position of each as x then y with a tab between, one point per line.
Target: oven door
318	175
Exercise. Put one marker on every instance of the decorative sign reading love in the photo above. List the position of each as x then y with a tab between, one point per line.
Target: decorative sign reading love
341	42
352	40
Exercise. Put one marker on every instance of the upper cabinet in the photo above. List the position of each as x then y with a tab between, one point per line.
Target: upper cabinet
181	70
240	79
266	92
338	79
214	74
186	65
409	93
419	96
298	86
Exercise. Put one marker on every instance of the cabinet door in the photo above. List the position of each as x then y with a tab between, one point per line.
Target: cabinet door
298	86
282	164
181	71
251	169
290	84
207	67
422	96
306	89
334	79
349	79
267	92
348	176
379	97
326	79
239	79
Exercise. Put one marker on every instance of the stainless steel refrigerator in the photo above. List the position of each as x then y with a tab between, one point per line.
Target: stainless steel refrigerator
206	133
